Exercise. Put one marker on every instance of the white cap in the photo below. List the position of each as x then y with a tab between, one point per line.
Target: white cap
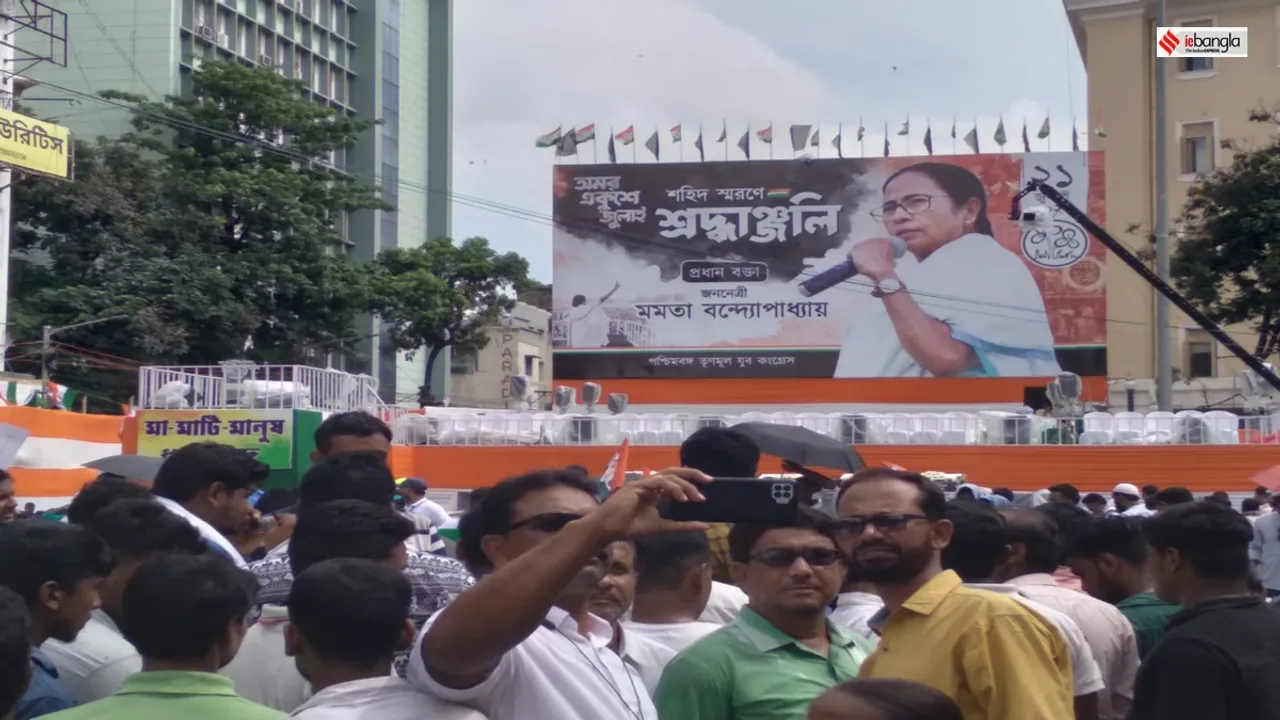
1126	489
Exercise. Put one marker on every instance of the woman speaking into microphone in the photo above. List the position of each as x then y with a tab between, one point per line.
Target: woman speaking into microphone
957	304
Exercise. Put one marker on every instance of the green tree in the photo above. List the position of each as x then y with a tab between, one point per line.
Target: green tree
209	225
444	295
1227	260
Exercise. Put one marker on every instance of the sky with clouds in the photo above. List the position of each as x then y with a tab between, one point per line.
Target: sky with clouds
525	67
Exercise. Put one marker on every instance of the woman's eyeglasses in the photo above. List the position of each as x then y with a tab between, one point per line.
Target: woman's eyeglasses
883	522
546	522
786	557
912	204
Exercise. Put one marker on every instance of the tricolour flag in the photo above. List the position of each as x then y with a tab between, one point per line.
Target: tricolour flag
744	143
627	136
971	137
906	128
766	135
568	145
778	193
653	144
585	133
677	134
615	473
550	139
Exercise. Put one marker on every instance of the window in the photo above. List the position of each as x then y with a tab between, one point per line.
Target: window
531	365
464	362
1195	64
1200	359
1197	148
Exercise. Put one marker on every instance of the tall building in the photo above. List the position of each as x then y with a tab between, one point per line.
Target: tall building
519	345
379	59
1207	102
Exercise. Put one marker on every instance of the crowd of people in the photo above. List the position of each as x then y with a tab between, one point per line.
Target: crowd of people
199	596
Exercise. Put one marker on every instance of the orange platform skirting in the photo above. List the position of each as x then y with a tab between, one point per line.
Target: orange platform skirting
1202	469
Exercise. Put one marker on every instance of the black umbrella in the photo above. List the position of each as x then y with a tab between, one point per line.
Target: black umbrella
802	446
129	466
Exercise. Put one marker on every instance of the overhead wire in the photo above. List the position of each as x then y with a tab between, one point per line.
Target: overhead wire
857	286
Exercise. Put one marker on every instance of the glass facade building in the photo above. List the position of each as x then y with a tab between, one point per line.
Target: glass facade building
380	59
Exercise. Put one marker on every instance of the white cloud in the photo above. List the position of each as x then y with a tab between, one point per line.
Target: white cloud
521	72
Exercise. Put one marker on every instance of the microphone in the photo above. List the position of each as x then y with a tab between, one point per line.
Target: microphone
833	276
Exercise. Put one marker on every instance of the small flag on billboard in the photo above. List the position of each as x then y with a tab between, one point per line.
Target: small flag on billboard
906	128
886	139
677	135
613	151
814	142
585	133
800	136
628	136
550	139
1044	129
953	128
862	131
835	141
928	139
724	132
766	135
1000	137
1100	132
702	155
1075	139
971	137
744	143
652	144
568	145
1026	141
779	193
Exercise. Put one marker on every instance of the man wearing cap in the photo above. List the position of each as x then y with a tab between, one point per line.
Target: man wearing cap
414	492
1129	502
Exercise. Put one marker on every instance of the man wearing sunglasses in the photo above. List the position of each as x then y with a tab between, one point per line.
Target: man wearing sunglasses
781	652
521	644
987	652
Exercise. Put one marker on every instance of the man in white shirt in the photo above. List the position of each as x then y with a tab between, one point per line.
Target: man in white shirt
588	322
1128	501
414	492
347	620
611	602
209	485
521	644
261	670
1034	553
99	660
725	603
672	588
976	550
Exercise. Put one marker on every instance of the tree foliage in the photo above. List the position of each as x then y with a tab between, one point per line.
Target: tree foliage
1227	261
444	294
206	226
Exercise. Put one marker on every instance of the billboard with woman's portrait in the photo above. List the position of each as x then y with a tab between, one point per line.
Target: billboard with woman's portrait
846	268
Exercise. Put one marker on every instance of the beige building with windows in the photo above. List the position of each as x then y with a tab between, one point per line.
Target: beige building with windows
520	345
1207	103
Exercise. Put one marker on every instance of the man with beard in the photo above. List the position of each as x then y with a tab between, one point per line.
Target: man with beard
522	644
781	652
987	652
613	600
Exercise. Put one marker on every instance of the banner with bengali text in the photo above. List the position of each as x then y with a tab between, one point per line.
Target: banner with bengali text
724	269
265	434
35	145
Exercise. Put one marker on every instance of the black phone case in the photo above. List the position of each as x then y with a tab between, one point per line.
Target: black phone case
740	500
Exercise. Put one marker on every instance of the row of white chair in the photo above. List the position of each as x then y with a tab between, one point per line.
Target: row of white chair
950	428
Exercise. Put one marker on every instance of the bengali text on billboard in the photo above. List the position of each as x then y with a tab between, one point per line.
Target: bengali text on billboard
34	145
741	269
267	435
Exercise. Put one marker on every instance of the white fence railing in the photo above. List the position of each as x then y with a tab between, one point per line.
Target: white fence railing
250	386
950	428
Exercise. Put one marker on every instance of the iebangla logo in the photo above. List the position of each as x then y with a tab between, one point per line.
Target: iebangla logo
1169	42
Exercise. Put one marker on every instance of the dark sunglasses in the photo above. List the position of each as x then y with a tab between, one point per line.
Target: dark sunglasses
786	557
546	522
883	522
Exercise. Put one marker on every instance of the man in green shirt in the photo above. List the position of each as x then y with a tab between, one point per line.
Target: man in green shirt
1109	556
781	652
186	616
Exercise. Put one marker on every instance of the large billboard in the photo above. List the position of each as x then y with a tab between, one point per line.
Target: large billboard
835	268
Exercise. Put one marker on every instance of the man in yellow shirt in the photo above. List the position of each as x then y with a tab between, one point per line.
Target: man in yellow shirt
996	659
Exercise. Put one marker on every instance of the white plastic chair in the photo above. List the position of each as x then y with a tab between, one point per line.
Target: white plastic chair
1158	427
1225	426
1130	427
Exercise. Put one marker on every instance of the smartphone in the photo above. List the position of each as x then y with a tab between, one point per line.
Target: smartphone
740	500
